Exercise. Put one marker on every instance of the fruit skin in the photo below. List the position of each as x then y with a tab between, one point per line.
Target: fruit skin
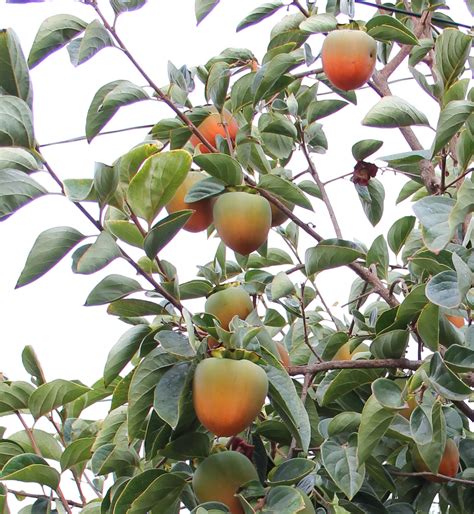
449	462
279	217
220	476
242	220
284	355
228	394
344	352
348	58
412	405
202	217
457	321
213	126
230	302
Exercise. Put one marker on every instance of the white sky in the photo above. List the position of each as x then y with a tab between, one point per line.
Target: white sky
72	341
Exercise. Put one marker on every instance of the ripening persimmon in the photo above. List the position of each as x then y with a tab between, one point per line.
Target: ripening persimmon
230	302
228	394
448	466
348	58
242	220
344	353
284	355
202	216
278	216
412	405
213	126
220	476
457	321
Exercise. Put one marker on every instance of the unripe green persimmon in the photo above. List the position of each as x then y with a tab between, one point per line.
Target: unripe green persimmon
230	302
242	220
220	476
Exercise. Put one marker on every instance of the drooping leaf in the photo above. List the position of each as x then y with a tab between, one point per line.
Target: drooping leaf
95	38
260	13
111	288
318	23
387	28
331	253
30	468
91	258
16	190
394	112
203	8
16	122
451	51
284	189
445	382
121	6
222	167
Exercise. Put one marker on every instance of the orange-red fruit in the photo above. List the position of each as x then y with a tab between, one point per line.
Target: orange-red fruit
202	216
348	58
279	217
457	321
212	126
230	302
284	355
344	353
228	394
412	405
449	462
220	476
242	220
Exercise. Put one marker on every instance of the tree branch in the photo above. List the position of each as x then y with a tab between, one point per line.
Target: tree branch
355	364
41	496
428	475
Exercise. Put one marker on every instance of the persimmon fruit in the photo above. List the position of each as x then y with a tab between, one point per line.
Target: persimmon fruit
284	355
348	58
278	216
242	220
202	216
230	302
344	353
412	405
212	126
448	466
457	321
220	476
228	394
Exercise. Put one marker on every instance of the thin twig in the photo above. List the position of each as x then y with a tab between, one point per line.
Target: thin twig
41	496
301	8
427	474
305	326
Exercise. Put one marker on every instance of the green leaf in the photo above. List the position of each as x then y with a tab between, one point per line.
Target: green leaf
112	287
91	258
170	393
290	472
386	28
134	308
390	345
363	149
217	84
331	253
54	33
121	6
318	23
32	365
260	13
175	343
344	422
373	201
433	213
16	190
125	231
111	458
432	452
80	189
451	52
374	423
464	150
54	394
194	289
203	8
106	181
451	119
133	488
205	188
341	464
281	286
15	78
164	231
96	37
156	182
443	290
18	159
78	452
321	108
269	75
123	350
14	396
283	498
47	444
222	167
16	123
388	394
107	101
394	112
378	255
459	358
288	404
49	248
336	384
30	468
445	382
191	445
399	232
284	189
428	326
142	386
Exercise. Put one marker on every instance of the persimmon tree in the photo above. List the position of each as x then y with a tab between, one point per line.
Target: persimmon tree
351	422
